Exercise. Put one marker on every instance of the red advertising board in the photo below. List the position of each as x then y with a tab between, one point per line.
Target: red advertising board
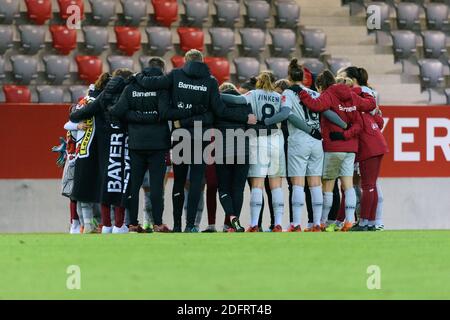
418	139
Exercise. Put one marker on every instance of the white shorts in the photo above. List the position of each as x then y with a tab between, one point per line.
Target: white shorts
305	158
338	164
267	156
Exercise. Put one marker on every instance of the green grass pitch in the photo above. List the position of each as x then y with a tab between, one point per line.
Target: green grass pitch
413	265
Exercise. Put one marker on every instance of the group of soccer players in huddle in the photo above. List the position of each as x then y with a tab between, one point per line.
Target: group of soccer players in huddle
131	128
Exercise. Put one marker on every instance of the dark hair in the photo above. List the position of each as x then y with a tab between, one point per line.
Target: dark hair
325	80
295	70
283	84
101	81
156	62
122	72
250	84
360	74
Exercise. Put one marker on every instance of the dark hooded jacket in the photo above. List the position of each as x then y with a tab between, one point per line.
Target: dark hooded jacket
192	85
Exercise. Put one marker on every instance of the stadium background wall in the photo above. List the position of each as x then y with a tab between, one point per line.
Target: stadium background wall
415	174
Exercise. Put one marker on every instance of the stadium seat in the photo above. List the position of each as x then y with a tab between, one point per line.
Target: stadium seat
50	94
196	12
279	67
314	65
437	16
177	61
159	40
222	41
431	73
96	39
190	38
118	62
128	39
57	68
288	14
408	16
447	94
6	38
283	41
16	94
64	39
2	68
24	68
253	41
404	44
227	13
246	68
258	13
314	42
89	68
103	11
39	11
77	92
64	6
143	61
166	12
385	21
335	64
9	10
219	67
32	38
434	44
134	11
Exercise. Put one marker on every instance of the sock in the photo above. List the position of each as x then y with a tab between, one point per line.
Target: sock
379	212
119	216
326	207
201	206
227	221
317	204
73	211
371	223
87	211
106	215
148	218
358	200
256	197
363	222
350	205
298	202
278	205
186	195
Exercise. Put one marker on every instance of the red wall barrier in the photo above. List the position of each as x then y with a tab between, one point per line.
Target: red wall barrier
418	138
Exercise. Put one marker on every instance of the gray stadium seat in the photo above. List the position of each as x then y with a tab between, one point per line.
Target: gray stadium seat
32	38
117	62
96	39
159	40
314	42
196	12
103	11
143	61
437	16
434	44
431	73
222	41
258	13
253	41
57	68
24	68
246	68
134	11
9	10
77	92
227	13
6	38
314	65
283	41
50	94
447	94
384	14
404	44
408	16
2	68
288	14
279	67
335	64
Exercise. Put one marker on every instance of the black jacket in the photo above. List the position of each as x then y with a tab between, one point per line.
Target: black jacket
223	124
194	85
146	113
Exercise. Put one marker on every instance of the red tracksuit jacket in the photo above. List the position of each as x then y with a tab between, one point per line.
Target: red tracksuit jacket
345	103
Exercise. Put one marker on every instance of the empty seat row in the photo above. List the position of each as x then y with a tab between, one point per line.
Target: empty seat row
405	44
45	94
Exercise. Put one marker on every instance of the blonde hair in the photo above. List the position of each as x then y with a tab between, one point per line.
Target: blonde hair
193	55
265	81
122	72
344	80
227	86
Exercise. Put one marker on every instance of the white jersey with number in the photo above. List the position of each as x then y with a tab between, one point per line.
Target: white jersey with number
292	101
264	103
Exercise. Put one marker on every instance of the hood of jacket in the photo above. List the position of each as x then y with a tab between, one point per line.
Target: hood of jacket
342	92
196	69
152	72
115	85
231	91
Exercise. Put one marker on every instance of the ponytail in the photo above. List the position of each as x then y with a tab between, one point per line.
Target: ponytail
101	81
325	80
363	77
265	81
295	71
